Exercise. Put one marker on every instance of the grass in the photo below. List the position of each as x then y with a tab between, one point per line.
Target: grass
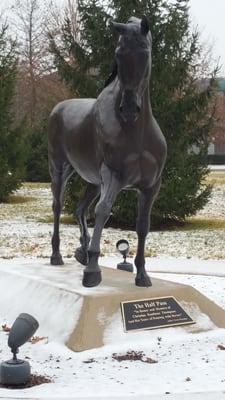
65	219
191	224
37	185
216	178
21	199
17	199
197	224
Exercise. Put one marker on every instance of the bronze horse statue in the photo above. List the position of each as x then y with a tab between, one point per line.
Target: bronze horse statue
113	142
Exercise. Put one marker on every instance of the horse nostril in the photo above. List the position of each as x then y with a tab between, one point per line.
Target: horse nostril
121	109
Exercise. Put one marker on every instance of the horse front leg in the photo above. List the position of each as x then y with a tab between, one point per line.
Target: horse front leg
110	187
90	195
145	203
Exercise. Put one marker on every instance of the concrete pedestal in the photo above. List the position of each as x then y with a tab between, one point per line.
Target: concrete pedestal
78	316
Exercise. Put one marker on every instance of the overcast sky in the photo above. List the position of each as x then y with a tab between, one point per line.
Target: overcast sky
209	15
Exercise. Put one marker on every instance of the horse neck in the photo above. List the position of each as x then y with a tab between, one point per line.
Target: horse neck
146	103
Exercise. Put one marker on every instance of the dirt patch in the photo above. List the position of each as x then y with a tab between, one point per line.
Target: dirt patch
220	347
134	356
90	361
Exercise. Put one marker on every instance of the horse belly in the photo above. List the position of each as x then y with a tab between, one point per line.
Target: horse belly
81	151
86	167
141	170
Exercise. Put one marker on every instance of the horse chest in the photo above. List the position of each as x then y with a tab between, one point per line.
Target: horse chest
140	168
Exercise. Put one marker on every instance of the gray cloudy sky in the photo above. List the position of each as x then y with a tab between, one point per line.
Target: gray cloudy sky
209	15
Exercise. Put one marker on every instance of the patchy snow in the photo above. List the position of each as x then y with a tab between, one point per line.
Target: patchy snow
24	234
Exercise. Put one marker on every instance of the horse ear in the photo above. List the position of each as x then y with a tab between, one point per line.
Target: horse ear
145	26
120	28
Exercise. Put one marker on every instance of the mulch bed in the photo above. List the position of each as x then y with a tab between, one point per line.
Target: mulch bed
34	380
133	356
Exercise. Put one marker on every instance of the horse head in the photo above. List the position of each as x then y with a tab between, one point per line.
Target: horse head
133	58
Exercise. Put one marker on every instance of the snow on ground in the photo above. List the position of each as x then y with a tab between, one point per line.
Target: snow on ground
186	362
22	232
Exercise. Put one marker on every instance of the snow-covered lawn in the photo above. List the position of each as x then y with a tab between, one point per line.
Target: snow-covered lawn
22	232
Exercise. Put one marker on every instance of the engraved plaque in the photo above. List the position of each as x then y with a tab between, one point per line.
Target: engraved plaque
153	313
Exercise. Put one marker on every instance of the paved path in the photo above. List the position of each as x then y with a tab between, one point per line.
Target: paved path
173	265
217	167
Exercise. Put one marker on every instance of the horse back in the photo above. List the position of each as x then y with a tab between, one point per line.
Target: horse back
72	137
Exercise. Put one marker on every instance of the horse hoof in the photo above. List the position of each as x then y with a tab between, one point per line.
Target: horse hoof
143	280
81	256
91	278
56	260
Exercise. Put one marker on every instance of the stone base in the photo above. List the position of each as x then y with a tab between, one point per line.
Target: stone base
89	331
80	316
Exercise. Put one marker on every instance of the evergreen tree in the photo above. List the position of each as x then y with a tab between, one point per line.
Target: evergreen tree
37	159
182	109
12	145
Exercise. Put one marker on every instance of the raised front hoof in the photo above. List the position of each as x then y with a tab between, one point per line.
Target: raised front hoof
143	280
81	256
56	260
91	278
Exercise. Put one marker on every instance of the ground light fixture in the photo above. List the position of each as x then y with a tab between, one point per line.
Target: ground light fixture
15	371
123	248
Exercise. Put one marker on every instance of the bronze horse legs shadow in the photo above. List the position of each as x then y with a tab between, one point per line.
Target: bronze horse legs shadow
89	251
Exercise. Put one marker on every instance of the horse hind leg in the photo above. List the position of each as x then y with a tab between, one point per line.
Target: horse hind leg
92	191
60	176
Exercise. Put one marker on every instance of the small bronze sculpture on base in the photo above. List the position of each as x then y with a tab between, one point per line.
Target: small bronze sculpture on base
114	143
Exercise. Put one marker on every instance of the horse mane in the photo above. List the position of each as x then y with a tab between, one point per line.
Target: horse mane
112	75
